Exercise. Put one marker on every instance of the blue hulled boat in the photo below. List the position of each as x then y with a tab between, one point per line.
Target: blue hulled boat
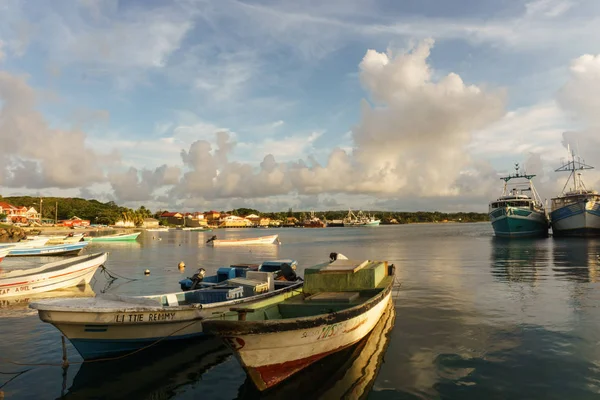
57	250
517	214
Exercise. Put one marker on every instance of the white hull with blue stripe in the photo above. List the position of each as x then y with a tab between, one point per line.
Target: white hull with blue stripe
108	325
57	250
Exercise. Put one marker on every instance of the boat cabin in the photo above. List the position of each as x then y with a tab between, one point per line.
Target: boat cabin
575	197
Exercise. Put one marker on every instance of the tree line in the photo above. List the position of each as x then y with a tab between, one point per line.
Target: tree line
109	213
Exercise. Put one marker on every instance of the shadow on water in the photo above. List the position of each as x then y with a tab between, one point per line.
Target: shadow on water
154	373
576	259
519	260
347	374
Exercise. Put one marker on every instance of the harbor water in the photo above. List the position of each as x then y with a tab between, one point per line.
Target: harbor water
475	317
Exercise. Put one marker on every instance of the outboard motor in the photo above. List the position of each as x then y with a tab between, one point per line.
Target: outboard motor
288	273
214	237
193	282
197	278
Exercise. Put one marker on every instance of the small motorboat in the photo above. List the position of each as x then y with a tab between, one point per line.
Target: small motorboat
56	250
118	237
272	239
70	272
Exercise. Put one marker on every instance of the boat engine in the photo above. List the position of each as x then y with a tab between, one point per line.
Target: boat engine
193	282
288	273
336	256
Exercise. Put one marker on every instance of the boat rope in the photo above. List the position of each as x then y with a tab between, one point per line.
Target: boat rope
113	275
16	375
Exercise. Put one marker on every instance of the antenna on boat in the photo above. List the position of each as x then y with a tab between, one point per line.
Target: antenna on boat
573	165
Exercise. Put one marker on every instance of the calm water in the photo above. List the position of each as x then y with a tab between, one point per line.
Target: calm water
475	318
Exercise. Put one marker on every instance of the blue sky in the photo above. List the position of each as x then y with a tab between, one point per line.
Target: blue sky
376	104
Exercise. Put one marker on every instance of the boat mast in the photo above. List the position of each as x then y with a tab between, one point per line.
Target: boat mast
518	175
572	165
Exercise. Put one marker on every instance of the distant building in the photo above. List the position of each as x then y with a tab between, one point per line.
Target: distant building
233	221
16	214
124	224
172	218
74	221
150	223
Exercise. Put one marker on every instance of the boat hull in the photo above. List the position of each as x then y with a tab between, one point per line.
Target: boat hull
100	334
578	219
116	238
273	239
57	250
77	275
299	344
516	223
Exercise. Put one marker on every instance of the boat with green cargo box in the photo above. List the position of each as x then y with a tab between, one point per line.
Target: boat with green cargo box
340	304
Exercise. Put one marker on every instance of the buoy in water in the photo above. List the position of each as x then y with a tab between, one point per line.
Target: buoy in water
181	265
147	272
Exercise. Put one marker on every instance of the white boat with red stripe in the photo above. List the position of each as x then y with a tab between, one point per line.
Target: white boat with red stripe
74	271
340	304
272	239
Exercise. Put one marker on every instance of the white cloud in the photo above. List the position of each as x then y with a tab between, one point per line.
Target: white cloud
33	154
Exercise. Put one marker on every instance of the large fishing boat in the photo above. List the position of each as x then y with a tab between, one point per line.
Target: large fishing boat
516	213
576	212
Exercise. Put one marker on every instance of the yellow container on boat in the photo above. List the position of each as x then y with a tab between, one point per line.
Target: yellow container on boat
250	286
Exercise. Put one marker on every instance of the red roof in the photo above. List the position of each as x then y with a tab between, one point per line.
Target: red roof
168	214
10	206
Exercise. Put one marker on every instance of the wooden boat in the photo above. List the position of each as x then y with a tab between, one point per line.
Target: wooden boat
347	374
56	250
118	237
272	239
340	304
281	269
60	274
106	325
22	302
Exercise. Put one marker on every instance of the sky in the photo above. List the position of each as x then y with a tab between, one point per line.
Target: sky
192	105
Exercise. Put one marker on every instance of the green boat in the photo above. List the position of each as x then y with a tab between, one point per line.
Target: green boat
119	237
517	214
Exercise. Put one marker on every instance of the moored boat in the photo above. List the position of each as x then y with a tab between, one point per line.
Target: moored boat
517	214
162	229
107	325
56	250
272	239
340	304
118	237
26	243
576	212
4	252
57	275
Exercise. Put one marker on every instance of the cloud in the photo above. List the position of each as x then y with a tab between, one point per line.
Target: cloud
140	185
32	154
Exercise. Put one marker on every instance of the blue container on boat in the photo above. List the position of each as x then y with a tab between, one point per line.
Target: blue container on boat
215	295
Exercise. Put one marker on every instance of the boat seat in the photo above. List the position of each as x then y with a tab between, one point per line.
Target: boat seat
172	300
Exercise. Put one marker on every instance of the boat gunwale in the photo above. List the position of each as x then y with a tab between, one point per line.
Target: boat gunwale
50	267
236	328
158	307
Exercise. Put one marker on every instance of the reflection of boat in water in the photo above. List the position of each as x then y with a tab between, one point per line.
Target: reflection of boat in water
348	374
575	212
520	260
576	259
516	214
153	373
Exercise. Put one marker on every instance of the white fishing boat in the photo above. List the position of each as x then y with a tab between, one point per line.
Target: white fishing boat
73	271
26	243
62	239
576	212
519	211
112	324
272	239
340	304
360	220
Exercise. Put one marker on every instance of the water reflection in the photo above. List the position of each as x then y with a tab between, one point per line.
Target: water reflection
576	259
523	260
156	373
348	374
